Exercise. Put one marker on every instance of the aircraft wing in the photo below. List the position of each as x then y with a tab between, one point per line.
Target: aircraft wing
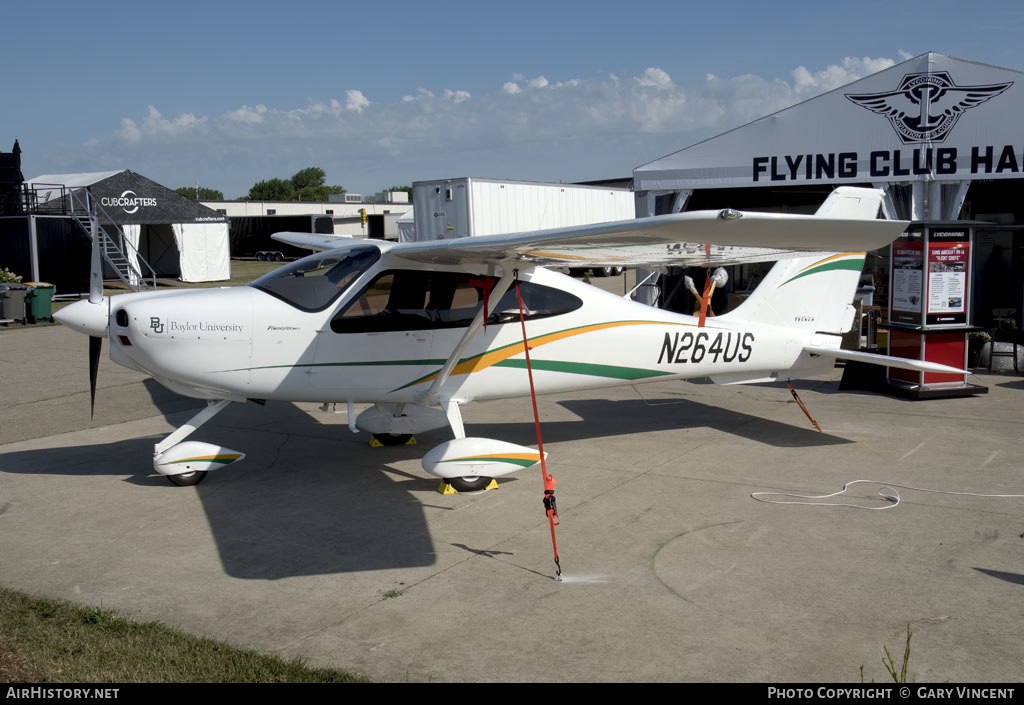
692	238
313	241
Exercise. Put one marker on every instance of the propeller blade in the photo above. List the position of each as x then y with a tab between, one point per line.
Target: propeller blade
95	346
95	265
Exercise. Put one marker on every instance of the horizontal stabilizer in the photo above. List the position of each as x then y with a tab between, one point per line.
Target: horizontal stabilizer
886	360
852	202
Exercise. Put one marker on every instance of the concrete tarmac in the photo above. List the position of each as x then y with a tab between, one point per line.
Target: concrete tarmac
318	546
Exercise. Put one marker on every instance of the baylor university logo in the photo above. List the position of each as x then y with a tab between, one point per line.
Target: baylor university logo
926	106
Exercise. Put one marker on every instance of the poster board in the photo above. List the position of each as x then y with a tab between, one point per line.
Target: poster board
948	271
906	278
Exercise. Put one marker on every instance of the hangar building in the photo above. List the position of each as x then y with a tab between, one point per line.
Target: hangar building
941	135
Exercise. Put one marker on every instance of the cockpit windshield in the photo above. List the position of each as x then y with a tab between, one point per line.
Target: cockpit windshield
313	283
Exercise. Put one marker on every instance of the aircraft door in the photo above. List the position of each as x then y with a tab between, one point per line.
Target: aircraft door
379	342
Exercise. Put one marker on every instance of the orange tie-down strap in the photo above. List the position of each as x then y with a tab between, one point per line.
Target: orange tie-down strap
802	407
550	507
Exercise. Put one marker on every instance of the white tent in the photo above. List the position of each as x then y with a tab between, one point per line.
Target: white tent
407	227
176	236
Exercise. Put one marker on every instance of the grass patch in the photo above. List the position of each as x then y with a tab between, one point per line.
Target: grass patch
897	673
243	271
55	641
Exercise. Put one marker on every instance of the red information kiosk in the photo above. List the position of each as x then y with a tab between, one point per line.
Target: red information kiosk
930	307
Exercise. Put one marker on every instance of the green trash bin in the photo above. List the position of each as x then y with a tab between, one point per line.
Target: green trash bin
39	302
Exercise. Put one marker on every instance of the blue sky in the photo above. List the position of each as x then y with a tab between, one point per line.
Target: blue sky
229	93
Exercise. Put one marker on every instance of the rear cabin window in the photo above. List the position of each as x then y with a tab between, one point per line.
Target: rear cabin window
419	300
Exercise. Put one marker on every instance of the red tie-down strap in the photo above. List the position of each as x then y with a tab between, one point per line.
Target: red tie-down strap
550	507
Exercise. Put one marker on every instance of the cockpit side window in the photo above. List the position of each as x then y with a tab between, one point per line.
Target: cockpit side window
314	283
420	300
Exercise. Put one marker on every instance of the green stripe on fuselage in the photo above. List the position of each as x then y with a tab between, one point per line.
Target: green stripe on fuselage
584	368
854	265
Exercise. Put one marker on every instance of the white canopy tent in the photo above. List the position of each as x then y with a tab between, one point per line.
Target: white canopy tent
178	237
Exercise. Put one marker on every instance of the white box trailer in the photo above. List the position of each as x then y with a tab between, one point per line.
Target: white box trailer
453	208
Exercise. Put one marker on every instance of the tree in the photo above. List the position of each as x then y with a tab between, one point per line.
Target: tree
200	193
310	176
305	185
273	190
408	190
319	193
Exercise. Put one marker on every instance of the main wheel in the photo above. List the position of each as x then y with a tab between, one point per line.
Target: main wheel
469	484
387	439
188	479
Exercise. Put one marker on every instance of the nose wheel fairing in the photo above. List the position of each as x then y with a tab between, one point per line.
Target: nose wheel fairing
186	463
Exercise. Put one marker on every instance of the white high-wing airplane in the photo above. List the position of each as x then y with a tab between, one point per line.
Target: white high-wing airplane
420	329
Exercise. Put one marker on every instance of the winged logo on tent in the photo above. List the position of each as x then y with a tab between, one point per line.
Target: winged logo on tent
926	106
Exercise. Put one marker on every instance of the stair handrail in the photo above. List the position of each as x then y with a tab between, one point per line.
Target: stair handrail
92	208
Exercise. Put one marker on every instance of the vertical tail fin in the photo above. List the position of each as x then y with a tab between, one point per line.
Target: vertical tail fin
815	292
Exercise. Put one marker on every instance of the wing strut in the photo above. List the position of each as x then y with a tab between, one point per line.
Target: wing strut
550	508
430	396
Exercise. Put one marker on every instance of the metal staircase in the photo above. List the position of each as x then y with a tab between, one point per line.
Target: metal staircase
115	249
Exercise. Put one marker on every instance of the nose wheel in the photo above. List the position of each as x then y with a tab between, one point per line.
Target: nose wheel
469	484
388	439
188	479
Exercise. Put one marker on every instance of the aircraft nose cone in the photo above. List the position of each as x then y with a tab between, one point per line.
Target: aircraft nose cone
86	317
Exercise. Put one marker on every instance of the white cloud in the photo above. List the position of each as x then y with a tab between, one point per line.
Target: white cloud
421	94
247	114
835	75
155	125
656	78
129	130
356	101
455	96
574	128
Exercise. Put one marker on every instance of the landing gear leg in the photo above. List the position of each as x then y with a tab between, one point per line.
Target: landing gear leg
188	479
462	484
